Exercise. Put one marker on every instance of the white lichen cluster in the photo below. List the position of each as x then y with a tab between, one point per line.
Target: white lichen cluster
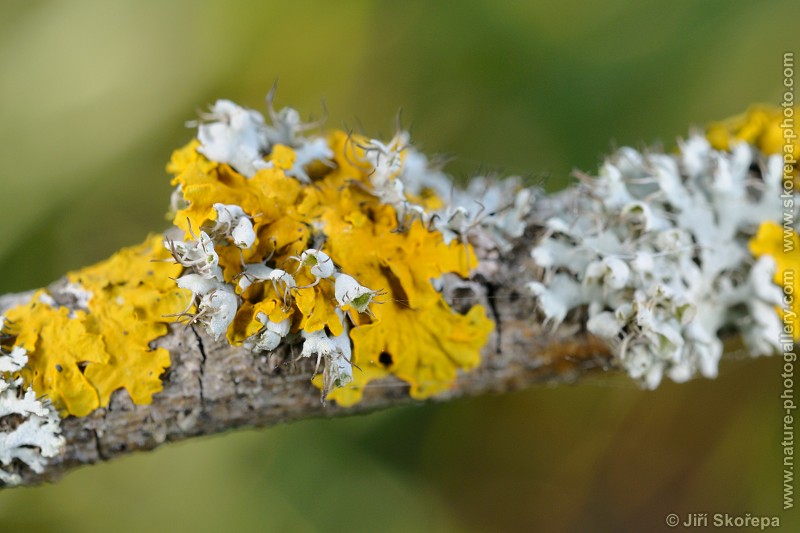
30	430
655	248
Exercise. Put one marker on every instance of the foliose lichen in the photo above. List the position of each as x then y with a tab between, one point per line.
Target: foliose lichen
30	430
329	240
655	249
78	357
339	244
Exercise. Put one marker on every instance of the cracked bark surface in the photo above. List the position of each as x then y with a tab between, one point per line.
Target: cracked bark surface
213	387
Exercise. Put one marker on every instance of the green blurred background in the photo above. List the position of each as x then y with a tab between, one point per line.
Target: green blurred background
93	98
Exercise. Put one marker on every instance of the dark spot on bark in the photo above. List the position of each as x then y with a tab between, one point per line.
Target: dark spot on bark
59	368
385	358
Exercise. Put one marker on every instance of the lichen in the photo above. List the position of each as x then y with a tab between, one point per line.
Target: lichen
78	358
655	249
759	126
30	431
340	253
342	243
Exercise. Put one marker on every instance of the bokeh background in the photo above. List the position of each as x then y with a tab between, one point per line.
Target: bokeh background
94	96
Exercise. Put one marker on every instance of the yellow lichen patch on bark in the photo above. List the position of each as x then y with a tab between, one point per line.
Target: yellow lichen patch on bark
408	330
77	359
58	348
412	333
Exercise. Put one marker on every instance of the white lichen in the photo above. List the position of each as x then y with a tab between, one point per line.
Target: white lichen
81	295
217	310
197	254
234	225
350	292
489	213
655	248
334	353
282	282
254	272
30	430
233	135
270	336
312	150
319	264
198	285
241	138
14	360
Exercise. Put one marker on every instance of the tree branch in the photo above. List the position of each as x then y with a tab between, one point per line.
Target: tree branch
213	387
649	267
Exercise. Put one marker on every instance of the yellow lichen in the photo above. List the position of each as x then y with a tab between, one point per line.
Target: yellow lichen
58	348
413	333
78	359
759	126
270	198
409	332
282	156
783	246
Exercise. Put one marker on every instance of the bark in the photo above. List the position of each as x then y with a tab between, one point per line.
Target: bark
213	387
